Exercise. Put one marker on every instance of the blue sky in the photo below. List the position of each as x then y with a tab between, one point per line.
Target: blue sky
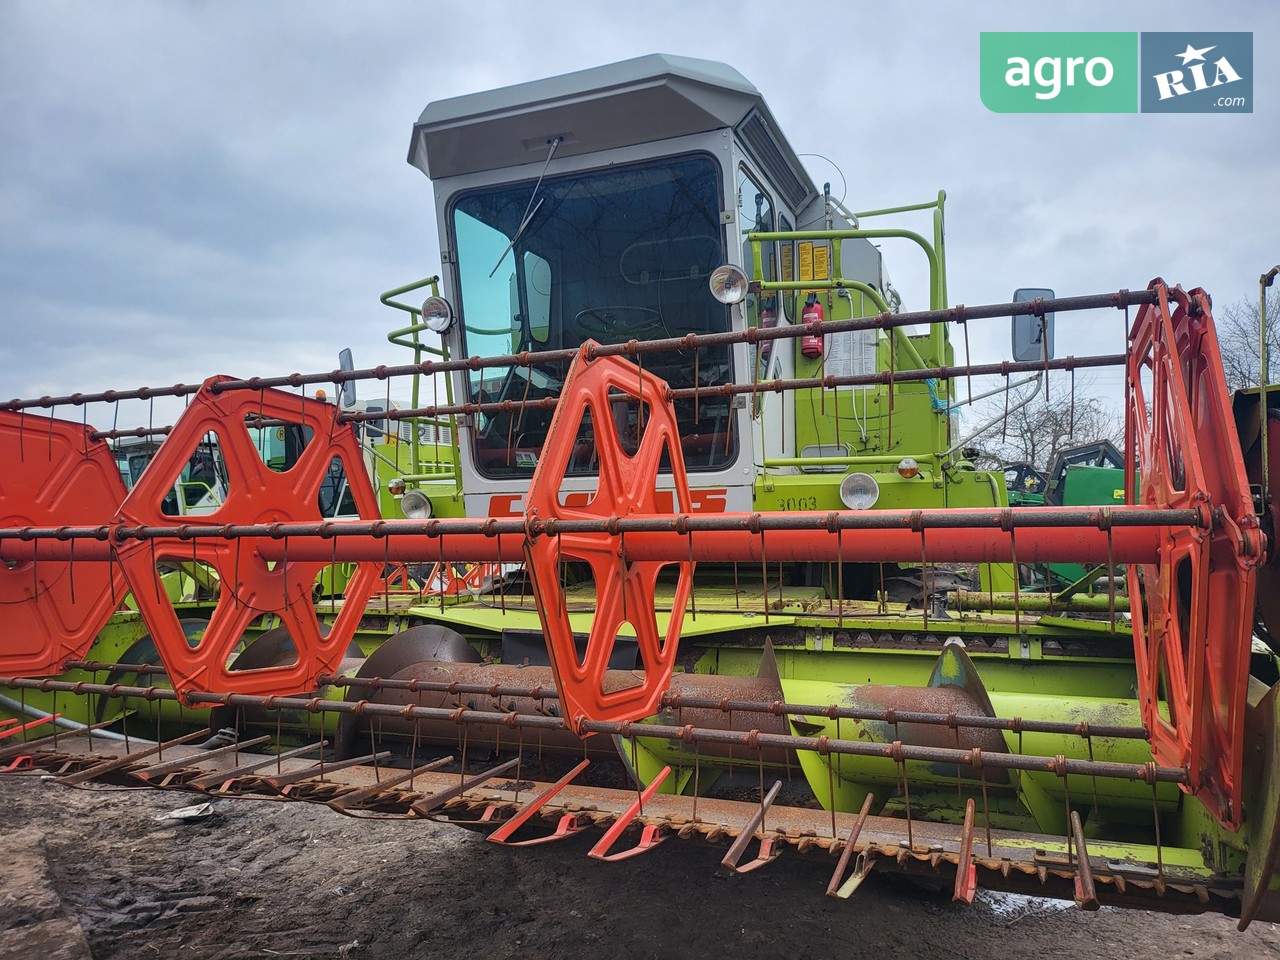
198	188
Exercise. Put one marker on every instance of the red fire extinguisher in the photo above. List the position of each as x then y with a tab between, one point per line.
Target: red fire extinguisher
768	318
811	344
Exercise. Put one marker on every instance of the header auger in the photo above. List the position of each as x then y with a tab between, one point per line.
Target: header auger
641	561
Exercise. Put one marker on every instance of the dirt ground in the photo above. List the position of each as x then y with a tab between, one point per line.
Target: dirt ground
95	874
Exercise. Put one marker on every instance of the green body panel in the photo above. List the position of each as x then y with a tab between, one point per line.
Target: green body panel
1084	485
1087	486
1017	499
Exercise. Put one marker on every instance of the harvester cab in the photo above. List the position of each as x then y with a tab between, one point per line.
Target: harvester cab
609	206
681	516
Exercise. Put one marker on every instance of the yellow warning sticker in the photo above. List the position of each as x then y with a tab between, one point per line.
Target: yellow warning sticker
821	262
806	260
788	262
1117	494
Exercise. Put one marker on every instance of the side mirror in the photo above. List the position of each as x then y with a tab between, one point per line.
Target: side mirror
1032	337
347	394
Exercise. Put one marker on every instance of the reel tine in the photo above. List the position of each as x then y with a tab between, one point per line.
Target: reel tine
568	825
1086	895
282	782
426	806
119	763
347	802
966	884
837	886
650	836
753	826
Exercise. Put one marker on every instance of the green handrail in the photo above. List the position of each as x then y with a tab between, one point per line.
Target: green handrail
433	282
412	331
939	245
397	336
936	291
937	206
833	461
933	253
900	339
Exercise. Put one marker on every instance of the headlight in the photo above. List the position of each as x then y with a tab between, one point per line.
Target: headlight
437	314
908	468
415	505
859	491
396	486
728	284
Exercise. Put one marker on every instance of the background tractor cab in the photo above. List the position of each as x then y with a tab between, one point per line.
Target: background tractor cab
200	488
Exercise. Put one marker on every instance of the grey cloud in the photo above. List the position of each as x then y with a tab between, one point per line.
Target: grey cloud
197	188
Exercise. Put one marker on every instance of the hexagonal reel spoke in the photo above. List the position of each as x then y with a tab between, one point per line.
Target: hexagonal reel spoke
625	589
250	585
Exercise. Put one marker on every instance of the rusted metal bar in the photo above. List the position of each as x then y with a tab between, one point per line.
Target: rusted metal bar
966	871
222	776
1004	368
168	766
837	887
106	396
956	545
834	712
1086	896
1055	765
443	410
831	381
282	781
1149	773
966	518
163	431
637	348
358	796
633	348
739	846
426	805
118	763
1129	533
675	700
100	666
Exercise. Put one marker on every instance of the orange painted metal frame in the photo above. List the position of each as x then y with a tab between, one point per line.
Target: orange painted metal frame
606	390
1192	636
251	586
54	474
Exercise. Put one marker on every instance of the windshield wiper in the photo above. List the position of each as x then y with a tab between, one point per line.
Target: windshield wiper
530	211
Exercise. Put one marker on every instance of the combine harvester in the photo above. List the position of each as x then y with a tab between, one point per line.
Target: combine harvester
685	560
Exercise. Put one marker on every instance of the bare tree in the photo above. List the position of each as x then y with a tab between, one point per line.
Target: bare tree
1033	432
1238	339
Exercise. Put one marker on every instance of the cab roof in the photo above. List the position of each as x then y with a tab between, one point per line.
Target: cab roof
655	97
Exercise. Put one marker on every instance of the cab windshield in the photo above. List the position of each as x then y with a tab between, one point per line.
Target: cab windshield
610	255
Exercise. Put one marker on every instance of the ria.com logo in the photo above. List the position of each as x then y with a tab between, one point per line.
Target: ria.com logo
1197	72
1100	72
